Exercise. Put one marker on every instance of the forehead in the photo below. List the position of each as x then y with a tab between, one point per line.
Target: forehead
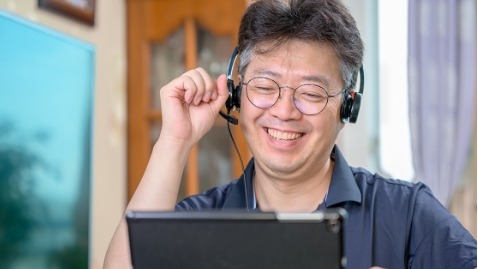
296	62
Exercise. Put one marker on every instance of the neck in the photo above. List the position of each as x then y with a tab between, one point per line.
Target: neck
298	194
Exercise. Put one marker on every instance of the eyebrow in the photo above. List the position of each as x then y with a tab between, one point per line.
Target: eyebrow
314	78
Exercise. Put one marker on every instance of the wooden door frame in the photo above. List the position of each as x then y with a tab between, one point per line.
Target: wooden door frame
145	24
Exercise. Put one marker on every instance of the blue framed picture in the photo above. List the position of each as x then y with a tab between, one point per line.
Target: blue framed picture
46	119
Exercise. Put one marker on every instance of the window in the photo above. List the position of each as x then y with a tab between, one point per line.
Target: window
395	144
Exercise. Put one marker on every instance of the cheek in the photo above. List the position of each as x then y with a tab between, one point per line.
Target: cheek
333	108
247	115
330	123
335	117
249	111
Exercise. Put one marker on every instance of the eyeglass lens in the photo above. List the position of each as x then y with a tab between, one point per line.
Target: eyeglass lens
308	98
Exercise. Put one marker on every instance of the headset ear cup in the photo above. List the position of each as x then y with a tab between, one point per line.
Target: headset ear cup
234	99
230	100
237	99
355	109
346	107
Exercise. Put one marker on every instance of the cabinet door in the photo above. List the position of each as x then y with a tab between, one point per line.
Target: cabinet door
165	39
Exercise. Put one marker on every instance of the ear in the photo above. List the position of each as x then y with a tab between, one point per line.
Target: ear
342	125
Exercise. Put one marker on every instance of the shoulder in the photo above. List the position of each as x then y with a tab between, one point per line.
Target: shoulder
398	203
364	176
398	196
395	191
435	237
210	199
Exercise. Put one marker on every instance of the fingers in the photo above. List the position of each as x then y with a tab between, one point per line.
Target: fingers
210	85
196	87
199	86
222	93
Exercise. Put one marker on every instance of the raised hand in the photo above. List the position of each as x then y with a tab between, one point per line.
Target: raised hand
190	104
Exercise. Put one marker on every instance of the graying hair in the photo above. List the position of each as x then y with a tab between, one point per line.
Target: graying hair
274	22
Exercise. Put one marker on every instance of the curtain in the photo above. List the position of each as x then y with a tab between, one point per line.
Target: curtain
442	90
463	202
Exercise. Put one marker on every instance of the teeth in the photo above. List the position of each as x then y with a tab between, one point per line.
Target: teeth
283	136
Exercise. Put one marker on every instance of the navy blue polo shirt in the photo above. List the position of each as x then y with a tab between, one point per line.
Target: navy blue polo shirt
391	223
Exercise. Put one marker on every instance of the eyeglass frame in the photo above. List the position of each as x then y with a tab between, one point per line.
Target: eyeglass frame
293	94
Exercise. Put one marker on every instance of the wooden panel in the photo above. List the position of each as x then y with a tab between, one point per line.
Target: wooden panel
152	21
139	148
219	16
192	175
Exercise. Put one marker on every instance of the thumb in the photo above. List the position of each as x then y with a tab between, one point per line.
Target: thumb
222	93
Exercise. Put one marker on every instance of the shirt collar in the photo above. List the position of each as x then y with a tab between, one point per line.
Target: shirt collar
343	187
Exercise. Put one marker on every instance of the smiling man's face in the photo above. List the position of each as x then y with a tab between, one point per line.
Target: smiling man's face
283	141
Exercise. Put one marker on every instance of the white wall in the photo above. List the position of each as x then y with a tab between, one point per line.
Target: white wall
359	142
109	171
373	142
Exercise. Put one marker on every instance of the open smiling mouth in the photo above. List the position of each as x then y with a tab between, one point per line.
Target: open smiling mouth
283	136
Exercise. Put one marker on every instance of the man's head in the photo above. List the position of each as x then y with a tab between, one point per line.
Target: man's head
308	42
268	24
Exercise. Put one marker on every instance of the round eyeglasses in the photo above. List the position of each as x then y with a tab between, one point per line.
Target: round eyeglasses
309	99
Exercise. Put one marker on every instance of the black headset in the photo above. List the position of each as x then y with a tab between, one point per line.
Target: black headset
349	109
233	102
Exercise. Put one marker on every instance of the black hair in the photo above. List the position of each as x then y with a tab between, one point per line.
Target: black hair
274	22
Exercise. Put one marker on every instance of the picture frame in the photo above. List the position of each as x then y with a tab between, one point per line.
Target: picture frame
80	10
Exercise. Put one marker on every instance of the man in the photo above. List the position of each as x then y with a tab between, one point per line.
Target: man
298	63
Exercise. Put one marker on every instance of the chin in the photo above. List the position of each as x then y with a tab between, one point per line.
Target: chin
281	165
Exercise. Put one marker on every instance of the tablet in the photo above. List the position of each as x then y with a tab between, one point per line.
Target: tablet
226	239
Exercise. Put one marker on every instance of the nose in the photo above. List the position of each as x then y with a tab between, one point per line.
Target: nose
284	108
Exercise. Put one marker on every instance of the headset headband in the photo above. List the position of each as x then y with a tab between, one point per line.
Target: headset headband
362	79
230	66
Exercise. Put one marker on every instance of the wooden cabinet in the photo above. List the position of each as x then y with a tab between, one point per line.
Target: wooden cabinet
165	39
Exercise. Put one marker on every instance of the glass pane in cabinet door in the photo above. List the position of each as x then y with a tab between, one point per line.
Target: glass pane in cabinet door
167	63
213	52
215	158
215	147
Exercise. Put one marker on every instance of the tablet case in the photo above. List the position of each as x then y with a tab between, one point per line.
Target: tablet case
222	239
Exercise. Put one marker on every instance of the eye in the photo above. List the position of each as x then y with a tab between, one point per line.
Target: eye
311	93
264	89
313	96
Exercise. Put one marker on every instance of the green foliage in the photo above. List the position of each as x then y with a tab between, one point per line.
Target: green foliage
17	200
